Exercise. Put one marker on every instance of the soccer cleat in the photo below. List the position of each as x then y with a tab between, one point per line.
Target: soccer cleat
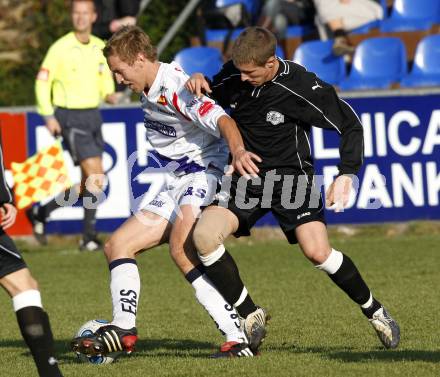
386	328
90	244
233	349
254	327
106	339
38	225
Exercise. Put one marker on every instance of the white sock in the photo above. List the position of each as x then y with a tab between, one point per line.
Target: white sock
223	314
209	259
125	285
27	298
332	263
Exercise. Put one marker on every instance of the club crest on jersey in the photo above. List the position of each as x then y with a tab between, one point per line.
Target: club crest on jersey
274	117
162	100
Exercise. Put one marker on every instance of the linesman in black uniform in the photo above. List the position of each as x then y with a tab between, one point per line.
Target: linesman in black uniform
275	102
17	280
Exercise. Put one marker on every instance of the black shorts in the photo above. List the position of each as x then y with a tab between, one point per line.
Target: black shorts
293	200
81	131
10	258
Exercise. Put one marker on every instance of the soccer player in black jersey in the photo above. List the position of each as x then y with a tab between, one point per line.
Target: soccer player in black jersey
275	102
18	282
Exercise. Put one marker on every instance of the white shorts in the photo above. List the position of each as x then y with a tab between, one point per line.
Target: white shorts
195	189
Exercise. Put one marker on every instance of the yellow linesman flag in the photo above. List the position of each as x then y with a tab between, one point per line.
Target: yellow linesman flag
40	176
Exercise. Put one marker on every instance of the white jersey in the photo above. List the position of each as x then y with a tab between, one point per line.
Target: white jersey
180	126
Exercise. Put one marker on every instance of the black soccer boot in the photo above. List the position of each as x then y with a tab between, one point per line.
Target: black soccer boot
107	339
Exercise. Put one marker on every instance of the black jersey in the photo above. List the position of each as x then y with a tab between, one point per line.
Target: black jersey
275	118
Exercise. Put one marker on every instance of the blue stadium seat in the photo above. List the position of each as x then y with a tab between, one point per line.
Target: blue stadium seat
317	57
363	29
384	4
409	15
251	6
426	68
377	63
294	31
219	35
437	18
207	60
279	52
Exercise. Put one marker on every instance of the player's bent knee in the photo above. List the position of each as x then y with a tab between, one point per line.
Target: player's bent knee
33	284
108	249
317	255
19	282
116	249
29	284
207	239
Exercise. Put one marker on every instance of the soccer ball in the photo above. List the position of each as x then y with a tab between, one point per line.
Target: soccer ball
90	328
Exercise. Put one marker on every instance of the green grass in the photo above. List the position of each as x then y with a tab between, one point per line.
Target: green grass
315	329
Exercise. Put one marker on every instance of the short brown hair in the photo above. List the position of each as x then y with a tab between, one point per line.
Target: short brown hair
128	42
254	45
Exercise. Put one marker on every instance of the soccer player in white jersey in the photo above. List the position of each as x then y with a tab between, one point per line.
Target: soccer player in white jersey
185	132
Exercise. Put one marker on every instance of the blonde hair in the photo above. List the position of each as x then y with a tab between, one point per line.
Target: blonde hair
128	42
254	45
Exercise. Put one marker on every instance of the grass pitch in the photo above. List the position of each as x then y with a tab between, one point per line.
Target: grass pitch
315	330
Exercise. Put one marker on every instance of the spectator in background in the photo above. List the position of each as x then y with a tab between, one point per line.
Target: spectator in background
341	16
113	14
18	282
73	79
230	17
277	15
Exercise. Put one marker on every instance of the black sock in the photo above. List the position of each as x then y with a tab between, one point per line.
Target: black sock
63	198
339	33
368	312
90	204
89	230
195	273
350	281
246	307
36	332
225	276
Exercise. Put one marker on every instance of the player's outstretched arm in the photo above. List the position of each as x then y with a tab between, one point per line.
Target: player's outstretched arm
198	85
338	193
242	160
